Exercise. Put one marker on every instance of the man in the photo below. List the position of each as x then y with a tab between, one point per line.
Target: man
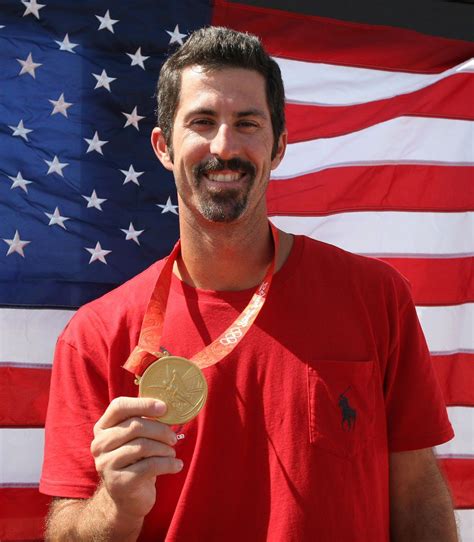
323	409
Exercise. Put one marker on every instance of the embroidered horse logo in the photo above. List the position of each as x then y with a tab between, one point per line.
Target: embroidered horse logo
348	413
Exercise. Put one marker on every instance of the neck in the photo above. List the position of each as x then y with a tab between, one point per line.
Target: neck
218	256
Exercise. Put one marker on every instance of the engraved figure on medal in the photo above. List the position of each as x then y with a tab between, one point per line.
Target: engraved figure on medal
177	382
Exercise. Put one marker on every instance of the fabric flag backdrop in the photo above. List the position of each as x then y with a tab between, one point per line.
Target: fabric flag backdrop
379	162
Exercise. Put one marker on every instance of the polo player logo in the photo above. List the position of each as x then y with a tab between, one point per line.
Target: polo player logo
348	413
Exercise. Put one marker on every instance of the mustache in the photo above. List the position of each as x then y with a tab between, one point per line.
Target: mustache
215	164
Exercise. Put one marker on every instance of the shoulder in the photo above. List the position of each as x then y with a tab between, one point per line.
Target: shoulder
336	265
124	305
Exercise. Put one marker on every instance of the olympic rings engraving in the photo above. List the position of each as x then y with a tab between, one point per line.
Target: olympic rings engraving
232	336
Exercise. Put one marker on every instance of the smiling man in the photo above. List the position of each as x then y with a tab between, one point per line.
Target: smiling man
322	406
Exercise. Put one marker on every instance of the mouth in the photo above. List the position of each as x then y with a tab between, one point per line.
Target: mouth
225	177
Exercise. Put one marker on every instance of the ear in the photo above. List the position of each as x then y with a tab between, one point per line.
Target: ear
282	142
161	149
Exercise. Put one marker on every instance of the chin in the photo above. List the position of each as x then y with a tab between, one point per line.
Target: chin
223	211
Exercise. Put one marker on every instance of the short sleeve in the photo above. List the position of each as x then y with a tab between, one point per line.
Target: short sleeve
78	397
415	409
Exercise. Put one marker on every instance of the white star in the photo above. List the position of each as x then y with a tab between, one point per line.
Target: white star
133	118
132	234
28	66
20	130
168	207
131	175
32	7
107	22
138	59
176	36
94	201
16	245
55	166
95	144
103	80
56	218
66	45
98	253
60	106
19	182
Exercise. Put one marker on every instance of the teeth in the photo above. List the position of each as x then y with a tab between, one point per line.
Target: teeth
224	177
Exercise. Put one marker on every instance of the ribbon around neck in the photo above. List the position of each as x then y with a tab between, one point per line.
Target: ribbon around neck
149	347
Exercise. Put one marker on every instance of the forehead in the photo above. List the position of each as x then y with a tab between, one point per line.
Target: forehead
237	88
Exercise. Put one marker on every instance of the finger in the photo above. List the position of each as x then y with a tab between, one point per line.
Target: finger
122	408
131	453
155	466
111	438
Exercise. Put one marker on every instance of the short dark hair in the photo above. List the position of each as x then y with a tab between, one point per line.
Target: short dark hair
215	48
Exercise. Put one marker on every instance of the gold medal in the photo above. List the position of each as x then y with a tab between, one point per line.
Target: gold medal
177	382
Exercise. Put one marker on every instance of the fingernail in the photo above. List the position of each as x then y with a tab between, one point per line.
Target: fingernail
173	439
179	464
160	407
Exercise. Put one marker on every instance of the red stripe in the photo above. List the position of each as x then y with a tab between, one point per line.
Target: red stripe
22	513
460	473
23	396
318	39
456	375
368	188
446	281
449	98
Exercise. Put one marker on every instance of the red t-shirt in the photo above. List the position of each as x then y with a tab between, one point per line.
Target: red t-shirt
293	442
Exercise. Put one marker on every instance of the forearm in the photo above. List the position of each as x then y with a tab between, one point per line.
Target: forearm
423	511
425	523
92	520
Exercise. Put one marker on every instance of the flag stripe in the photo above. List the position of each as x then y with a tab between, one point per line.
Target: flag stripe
310	121
23	396
328	84
22	449
24	391
444	281
456	374
448	329
23	511
289	35
460	447
401	140
366	188
29	335
388	233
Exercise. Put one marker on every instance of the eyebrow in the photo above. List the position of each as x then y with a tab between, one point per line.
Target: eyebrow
254	112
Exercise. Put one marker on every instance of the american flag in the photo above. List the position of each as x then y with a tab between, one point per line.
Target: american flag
379	162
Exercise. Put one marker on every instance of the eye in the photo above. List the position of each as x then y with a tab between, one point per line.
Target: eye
202	122
247	124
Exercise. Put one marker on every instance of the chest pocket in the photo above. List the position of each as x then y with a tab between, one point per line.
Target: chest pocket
341	398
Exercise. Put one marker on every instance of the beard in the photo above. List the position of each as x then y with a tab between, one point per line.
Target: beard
224	205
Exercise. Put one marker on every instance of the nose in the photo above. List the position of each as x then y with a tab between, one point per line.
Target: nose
224	143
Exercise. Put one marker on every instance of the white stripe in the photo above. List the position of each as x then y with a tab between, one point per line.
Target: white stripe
21	450
403	140
29	335
328	84
449	328
462	445
465	521
389	233
21	456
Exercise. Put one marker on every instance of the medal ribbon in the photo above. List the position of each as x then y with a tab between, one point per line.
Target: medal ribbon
149	349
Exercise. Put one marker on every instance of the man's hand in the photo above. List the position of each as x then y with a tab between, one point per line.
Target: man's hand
420	505
130	450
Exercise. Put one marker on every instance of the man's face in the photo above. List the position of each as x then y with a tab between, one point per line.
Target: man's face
221	144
